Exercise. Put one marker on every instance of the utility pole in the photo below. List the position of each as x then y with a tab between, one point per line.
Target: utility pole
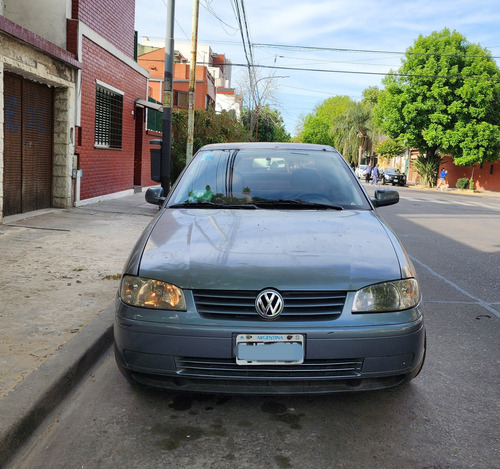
192	80
166	147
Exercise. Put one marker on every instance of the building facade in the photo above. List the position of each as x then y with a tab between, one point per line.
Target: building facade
213	76
72	128
37	120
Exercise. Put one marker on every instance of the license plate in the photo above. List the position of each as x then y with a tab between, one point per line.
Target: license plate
269	349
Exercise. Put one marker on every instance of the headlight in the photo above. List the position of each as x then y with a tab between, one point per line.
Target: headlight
390	296
148	293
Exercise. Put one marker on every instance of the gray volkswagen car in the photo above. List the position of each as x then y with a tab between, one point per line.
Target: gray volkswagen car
268	270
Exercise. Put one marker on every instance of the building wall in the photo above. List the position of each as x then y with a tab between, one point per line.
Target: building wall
33	64
107	170
486	176
203	52
2	120
229	101
111	19
102	34
154	63
93	40
205	86
45	18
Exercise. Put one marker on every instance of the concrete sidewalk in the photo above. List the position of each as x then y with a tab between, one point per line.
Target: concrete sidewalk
59	272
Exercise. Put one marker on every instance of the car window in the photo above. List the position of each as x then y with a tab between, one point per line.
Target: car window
252	176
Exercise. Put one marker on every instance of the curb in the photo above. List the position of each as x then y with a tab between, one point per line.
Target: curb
25	407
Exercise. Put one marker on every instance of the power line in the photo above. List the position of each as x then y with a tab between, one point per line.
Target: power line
210	10
275	67
354	72
362	51
240	13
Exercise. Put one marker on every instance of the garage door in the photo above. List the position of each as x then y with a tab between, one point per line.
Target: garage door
28	132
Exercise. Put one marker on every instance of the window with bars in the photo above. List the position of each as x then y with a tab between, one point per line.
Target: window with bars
108	117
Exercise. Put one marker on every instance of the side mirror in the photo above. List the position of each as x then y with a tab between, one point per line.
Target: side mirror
385	197
154	195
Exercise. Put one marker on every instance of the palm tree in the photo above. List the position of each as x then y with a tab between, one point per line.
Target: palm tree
354	133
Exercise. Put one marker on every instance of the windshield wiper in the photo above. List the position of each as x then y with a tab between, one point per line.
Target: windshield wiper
205	204
290	203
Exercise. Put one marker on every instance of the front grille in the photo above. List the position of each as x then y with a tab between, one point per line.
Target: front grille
300	306
227	368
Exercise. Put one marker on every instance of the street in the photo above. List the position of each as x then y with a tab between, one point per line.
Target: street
446	418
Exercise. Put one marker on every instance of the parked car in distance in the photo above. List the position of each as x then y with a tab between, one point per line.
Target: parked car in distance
360	170
255	277
393	176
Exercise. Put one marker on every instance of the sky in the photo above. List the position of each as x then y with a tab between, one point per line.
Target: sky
316	49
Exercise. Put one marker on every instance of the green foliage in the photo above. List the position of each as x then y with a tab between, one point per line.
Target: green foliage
354	132
389	148
427	167
344	124
370	95
462	183
444	98
315	130
209	127
318	126
269	127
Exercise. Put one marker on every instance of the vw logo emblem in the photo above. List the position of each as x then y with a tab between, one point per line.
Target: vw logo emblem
269	304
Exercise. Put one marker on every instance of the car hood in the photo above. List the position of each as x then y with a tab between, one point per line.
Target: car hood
256	249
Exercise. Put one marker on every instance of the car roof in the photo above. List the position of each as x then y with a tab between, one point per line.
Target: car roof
268	146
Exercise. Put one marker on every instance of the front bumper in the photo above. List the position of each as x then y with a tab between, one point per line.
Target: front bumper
202	358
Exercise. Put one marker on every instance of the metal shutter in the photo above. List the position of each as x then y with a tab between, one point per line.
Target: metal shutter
28	145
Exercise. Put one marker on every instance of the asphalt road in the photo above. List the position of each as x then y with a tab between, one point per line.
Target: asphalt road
446	418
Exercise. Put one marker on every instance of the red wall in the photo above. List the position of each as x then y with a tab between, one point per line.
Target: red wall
486	178
107	170
112	19
154	62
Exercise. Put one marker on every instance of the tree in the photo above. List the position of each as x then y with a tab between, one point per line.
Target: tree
444	99
257	93
317	126
389	148
354	132
210	127
268	125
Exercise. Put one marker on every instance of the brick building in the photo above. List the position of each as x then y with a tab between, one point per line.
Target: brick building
154	63
72	100
213	76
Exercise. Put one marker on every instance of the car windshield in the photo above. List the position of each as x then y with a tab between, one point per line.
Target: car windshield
268	178
392	171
